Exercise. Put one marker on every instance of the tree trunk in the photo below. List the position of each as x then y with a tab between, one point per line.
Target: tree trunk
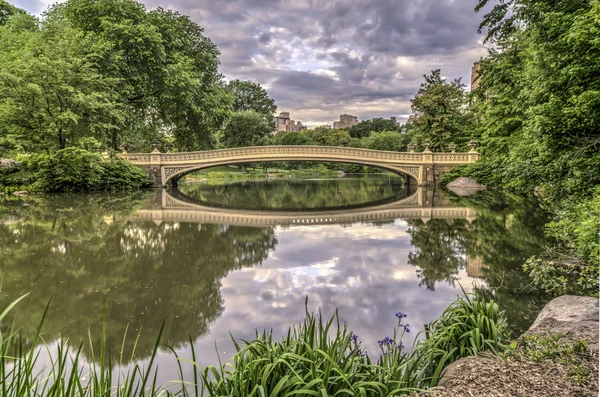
62	141
114	139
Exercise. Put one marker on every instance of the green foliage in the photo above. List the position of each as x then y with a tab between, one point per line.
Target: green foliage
294	138
385	140
7	10
466	328
109	70
442	117
366	127
320	357
317	357
119	174
538	112
245	129
73	170
327	137
548	346
249	95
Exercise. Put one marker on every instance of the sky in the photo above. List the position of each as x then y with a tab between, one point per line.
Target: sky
322	58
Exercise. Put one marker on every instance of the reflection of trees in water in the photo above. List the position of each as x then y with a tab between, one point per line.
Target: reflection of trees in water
507	231
72	250
292	194
440	252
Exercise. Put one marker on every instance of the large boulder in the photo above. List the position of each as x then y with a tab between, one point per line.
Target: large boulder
569	308
464	186
574	317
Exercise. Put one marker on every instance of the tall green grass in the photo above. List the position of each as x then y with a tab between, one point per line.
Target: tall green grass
317	357
320	358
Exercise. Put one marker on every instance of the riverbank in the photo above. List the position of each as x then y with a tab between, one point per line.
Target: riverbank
557	356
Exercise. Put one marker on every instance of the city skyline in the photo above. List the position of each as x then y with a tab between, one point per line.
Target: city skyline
319	60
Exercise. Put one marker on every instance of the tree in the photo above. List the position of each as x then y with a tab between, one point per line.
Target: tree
51	91
366	127
327	137
245	129
7	10
168	70
248	95
386	140
443	118
294	138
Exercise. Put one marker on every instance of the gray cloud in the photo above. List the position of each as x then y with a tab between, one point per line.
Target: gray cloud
319	59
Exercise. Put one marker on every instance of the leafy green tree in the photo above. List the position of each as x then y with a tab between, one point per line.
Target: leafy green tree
246	128
294	138
167	70
538	118
443	118
366	127
327	137
51	91
7	10
249	95
386	140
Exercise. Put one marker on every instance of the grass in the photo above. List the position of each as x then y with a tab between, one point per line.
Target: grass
317	357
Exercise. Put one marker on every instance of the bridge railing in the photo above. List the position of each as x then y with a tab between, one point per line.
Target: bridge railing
259	153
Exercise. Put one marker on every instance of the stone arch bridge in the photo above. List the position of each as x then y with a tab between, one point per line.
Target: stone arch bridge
422	167
167	207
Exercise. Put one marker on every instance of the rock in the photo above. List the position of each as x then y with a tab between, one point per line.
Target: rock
341	174
571	332
569	308
9	163
454	369
464	186
575	317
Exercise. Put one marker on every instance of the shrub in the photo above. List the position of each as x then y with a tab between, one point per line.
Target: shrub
66	170
73	170
121	175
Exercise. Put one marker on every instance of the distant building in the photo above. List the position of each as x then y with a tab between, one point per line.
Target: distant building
394	120
283	123
346	121
475	75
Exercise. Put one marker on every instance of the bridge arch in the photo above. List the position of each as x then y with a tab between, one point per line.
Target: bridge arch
175	175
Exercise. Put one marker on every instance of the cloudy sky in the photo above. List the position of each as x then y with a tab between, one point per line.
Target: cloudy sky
321	58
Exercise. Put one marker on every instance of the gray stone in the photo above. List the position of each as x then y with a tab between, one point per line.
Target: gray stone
569	308
464	186
453	370
9	163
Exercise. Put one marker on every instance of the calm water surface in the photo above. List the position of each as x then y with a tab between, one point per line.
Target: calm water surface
152	256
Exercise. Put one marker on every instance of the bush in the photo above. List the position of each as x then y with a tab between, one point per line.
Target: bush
67	170
72	170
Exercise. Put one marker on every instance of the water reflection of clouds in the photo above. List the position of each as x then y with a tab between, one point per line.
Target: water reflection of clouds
362	270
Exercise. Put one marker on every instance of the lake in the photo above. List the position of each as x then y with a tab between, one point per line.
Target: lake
217	257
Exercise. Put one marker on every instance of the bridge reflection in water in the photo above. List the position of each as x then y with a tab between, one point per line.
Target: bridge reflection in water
173	206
